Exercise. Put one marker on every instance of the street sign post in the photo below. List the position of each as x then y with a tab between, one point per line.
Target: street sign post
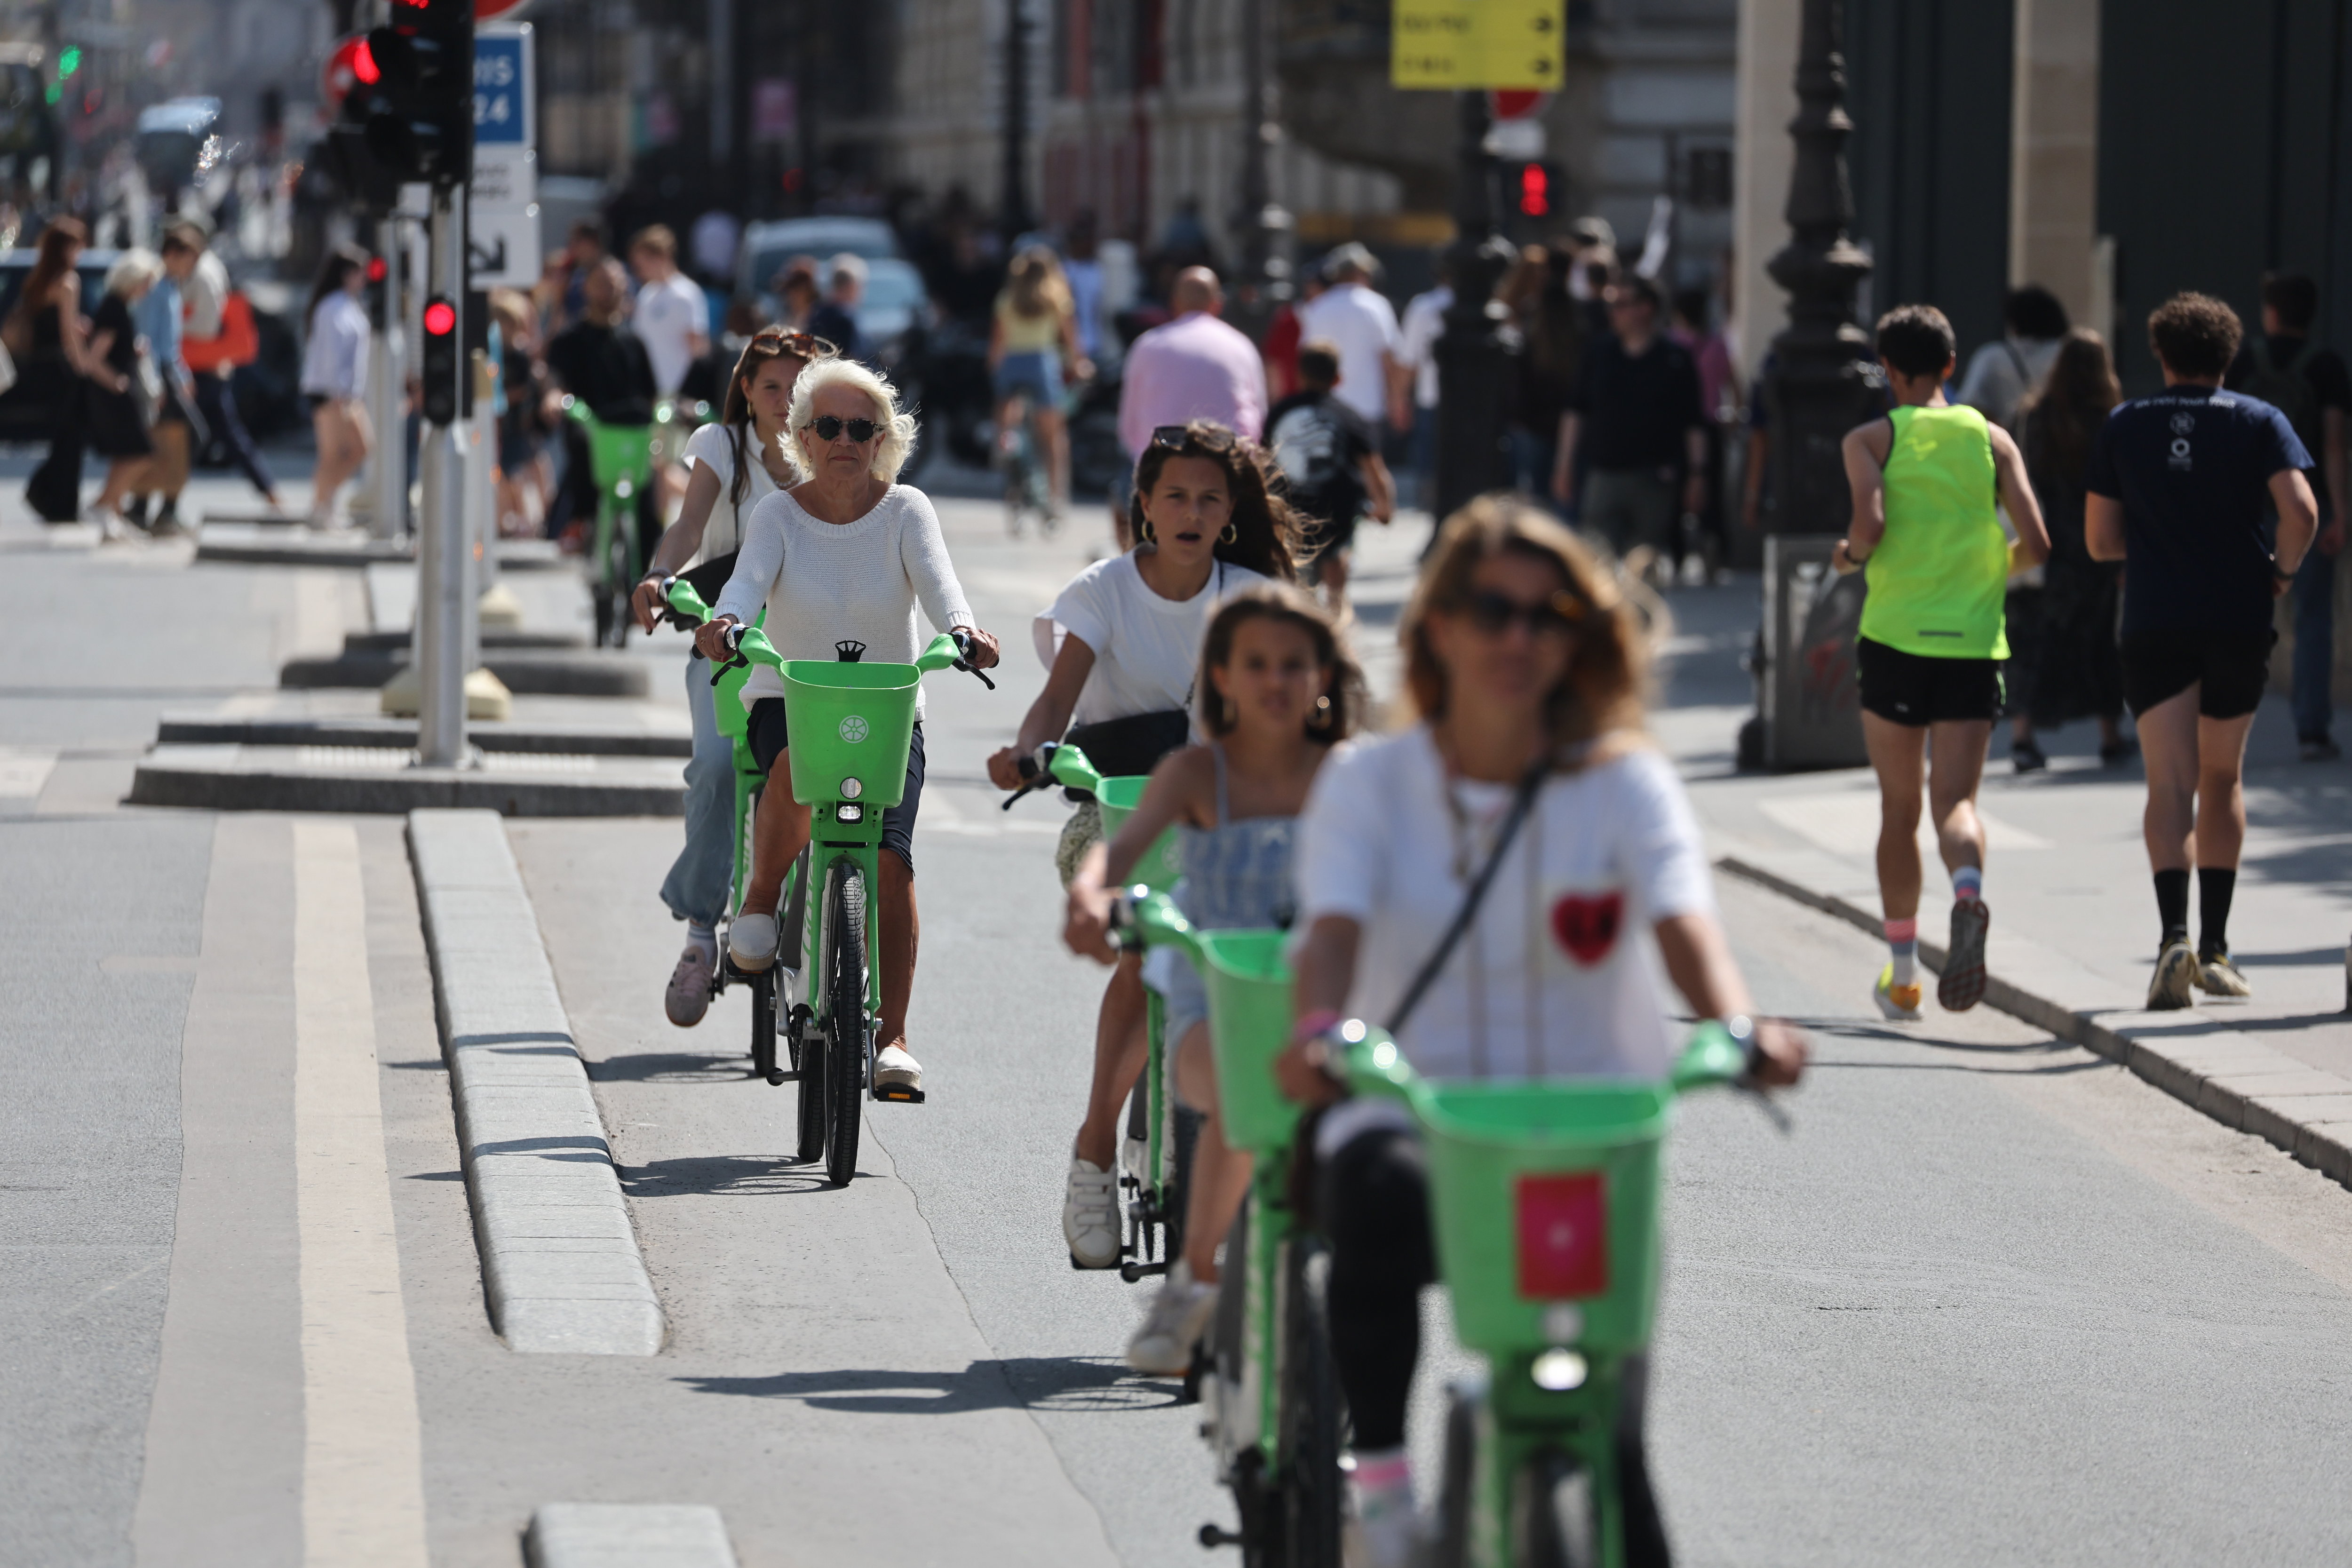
502	205
1450	44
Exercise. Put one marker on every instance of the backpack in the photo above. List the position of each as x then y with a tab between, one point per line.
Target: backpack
2286	388
1309	445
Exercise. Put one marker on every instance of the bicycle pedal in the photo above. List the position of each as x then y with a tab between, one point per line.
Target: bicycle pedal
1214	1536
778	1078
899	1094
1132	1272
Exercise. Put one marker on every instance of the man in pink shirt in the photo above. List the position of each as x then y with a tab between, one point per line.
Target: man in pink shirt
1194	367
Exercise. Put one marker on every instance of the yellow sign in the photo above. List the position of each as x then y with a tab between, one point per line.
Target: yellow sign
1456	44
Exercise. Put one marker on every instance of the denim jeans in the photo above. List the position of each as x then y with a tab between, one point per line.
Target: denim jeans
696	889
2314	646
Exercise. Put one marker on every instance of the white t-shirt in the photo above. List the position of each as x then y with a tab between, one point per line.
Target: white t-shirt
1424	323
1556	978
2003	371
335	359
823	582
669	313
1361	323
1147	648
713	447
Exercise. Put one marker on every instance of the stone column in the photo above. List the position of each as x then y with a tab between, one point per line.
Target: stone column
2053	156
1761	163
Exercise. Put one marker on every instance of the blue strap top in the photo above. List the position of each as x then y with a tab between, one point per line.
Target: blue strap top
1236	874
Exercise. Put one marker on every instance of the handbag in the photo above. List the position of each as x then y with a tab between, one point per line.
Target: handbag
1132	745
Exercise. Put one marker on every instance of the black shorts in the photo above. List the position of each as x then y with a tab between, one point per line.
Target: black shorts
765	732
2228	669
1914	689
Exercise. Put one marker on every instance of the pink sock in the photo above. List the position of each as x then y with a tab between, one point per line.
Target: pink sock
1383	1471
1903	948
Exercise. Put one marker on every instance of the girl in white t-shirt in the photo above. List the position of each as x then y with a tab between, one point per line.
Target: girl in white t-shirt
734	465
1123	641
1520	656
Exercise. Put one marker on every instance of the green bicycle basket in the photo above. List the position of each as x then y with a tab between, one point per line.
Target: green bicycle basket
849	721
1159	866
1547	1192
1248	982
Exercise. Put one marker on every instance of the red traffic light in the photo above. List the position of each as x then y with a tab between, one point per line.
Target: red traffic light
365	70
1535	190
375	269
440	319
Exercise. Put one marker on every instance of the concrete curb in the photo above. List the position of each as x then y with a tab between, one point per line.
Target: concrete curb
226	778
248	546
400	734
492	637
626	1535
537	672
560	1261
2232	1078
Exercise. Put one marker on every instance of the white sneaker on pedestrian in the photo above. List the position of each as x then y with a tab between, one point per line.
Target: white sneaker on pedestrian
1090	1215
689	997
2176	971
893	1066
1172	1325
1383	1528
751	942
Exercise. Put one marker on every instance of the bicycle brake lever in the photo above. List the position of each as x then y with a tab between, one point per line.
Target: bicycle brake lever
980	674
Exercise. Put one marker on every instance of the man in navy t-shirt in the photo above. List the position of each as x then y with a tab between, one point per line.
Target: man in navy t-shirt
2181	486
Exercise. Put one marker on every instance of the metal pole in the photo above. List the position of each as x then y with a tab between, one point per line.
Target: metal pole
481	508
444	562
1014	215
1265	274
387	390
1475	351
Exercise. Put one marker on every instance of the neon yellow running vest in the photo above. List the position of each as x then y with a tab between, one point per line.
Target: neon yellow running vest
1938	579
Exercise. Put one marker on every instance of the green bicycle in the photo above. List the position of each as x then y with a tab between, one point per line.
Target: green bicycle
1270	1392
1545	1200
1156	1189
850	727
621	459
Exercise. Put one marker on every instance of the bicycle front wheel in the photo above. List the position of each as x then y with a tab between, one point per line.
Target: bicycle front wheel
1310	1412
845	1031
763	1022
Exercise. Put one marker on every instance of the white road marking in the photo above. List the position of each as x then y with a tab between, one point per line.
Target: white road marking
24	771
362	1484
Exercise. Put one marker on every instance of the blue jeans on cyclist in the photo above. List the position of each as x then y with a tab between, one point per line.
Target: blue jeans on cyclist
1372	1202
697	887
1036	375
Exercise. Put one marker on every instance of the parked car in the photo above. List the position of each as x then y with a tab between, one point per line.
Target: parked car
768	246
21	419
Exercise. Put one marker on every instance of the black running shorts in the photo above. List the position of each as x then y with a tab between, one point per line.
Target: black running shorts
1914	689
765	732
2228	669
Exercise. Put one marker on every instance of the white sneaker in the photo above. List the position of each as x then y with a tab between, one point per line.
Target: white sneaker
1178	1317
1383	1528
1090	1215
689	997
892	1065
751	941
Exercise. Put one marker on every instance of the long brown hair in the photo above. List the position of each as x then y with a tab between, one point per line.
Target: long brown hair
1340	706
1268	536
62	236
767	344
2074	399
1603	687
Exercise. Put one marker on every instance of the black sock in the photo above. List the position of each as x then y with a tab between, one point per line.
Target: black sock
2214	888
2172	905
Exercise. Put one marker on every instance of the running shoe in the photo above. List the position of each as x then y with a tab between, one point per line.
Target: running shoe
1962	985
689	997
1899	1002
2027	757
2219	977
893	1066
751	941
1178	1317
1090	1215
2176	971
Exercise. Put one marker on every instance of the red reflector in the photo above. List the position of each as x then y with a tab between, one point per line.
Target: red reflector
375	268
1563	1236
364	66
440	319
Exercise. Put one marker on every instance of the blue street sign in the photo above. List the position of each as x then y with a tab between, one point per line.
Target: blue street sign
501	95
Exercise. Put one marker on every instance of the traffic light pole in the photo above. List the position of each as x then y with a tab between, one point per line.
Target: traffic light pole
444	562
388	390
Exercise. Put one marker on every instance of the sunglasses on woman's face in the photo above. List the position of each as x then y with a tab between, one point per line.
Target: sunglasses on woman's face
829	426
1176	437
1493	614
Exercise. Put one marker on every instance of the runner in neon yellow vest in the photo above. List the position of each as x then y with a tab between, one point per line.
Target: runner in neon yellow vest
1925	479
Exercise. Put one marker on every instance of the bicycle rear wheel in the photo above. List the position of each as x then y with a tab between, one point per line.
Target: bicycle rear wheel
1554	1522
846	1074
1311	1422
808	1060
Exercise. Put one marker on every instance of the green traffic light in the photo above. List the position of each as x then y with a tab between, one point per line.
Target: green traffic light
55	93
69	62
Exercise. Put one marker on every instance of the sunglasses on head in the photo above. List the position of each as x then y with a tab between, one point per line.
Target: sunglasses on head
1176	437
829	426
807	345
1493	614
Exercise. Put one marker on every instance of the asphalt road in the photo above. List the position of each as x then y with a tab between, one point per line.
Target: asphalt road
1985	1300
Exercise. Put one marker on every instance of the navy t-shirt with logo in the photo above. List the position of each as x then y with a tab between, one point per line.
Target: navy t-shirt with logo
2193	468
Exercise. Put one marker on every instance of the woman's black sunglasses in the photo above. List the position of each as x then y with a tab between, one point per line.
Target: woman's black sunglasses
1493	614
1176	437
829	426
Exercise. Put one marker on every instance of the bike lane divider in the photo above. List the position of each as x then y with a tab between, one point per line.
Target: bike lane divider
2231	1077
561	1268
626	1535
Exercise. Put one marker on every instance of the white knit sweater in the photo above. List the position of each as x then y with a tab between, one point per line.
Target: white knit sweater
824	582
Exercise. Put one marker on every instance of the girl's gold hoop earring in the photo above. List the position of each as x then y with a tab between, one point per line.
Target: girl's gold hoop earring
1232	531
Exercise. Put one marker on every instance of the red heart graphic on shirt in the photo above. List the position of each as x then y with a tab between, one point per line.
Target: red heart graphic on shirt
1586	927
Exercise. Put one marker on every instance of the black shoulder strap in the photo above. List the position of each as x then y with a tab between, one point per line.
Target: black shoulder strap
1521	802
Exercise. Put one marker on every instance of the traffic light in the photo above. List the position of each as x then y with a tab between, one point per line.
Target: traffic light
1538	190
351	81
378	306
420	119
439	369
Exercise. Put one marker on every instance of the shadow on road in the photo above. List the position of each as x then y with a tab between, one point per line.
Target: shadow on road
721	1175
1028	1383
671	1067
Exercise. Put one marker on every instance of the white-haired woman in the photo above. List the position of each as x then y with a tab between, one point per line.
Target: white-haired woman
118	423
845	552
